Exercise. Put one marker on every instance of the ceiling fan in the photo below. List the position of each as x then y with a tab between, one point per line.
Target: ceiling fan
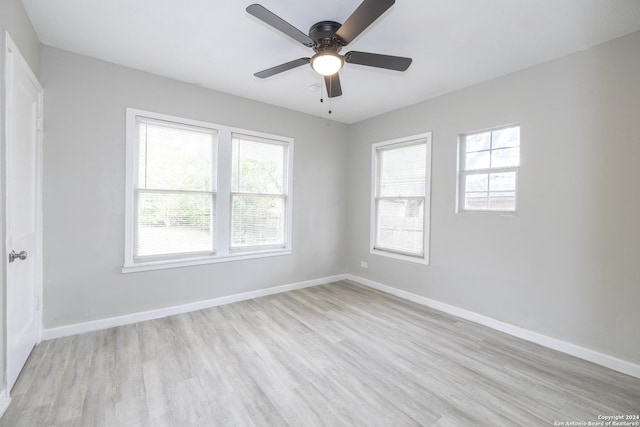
327	38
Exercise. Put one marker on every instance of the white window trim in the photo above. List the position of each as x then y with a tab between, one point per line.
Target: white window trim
462	173
223	197
424	259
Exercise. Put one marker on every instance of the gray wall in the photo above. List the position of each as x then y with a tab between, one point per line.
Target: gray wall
13	19
85	101
568	264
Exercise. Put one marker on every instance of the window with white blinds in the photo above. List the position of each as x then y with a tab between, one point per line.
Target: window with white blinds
199	192
175	189
258	193
400	202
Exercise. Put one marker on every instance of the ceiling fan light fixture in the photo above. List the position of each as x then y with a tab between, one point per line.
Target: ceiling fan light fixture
327	39
326	64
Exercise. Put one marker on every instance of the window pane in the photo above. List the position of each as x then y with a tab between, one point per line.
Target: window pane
257	167
477	182
257	220
173	223
478	142
504	201
505	181
479	160
400	225
402	171
509	137
505	157
175	157
476	201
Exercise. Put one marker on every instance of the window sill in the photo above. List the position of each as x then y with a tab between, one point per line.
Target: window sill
187	262
417	260
487	212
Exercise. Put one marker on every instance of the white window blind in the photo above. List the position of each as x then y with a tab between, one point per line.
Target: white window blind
175	189
489	163
400	197
258	193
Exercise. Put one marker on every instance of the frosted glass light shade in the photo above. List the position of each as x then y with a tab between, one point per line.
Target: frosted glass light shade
326	63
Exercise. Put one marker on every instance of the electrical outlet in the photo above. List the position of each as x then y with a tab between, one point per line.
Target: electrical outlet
364	264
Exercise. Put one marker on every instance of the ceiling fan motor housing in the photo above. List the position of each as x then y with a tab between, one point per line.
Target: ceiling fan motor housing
323	34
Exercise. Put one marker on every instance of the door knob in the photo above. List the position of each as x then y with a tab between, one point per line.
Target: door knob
21	256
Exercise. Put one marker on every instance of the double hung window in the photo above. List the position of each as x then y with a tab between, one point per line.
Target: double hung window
400	198
258	196
175	189
199	192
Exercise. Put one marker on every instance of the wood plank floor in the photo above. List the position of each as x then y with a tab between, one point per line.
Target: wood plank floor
333	355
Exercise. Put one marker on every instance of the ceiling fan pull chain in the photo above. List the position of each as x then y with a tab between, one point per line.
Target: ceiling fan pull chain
331	91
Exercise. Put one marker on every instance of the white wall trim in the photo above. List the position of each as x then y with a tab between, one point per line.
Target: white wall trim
4	402
593	356
111	322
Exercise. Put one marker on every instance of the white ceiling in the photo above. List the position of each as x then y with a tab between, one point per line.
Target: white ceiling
216	44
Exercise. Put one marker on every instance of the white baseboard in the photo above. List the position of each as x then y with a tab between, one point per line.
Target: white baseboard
4	402
97	325
602	359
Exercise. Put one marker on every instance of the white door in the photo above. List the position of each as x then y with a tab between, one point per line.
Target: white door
23	209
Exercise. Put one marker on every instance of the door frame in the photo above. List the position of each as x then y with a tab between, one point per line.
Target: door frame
12	58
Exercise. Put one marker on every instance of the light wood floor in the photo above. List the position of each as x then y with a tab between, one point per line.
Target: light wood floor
334	355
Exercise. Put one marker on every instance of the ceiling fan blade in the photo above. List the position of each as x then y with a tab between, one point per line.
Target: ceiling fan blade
397	63
282	67
364	15
279	24
333	85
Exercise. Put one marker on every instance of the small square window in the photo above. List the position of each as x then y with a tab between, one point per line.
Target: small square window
488	165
